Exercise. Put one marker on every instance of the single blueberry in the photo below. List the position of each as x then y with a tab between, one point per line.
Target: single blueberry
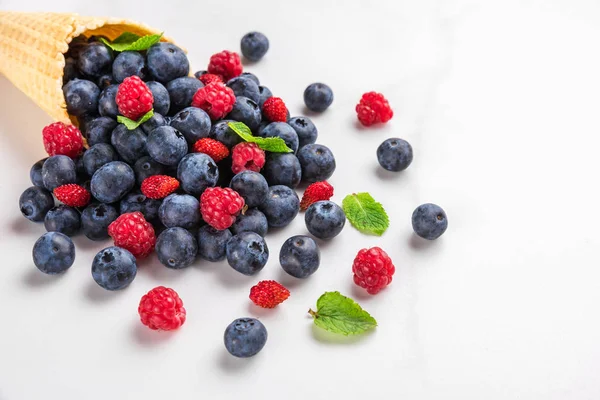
53	253
95	59
318	97
245	337
155	121
114	268
58	171
395	154
254	46
325	219
70	71
244	86
223	133
196	172
98	155
305	129
146	167
180	210
166	145
107	103
63	219
300	256
162	102
265	93
81	97
167	62
317	161
252	186
198	74
247	253
35	202
284	131
281	207
176	248
193	123
250	75
130	144
129	63
182	91
212	243
95	220
105	81
429	221
252	220
99	130
282	169
112	182
137	201
35	173
247	111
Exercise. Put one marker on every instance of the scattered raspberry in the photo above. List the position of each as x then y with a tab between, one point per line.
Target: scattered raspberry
62	139
215	98
373	269
210	78
215	149
247	156
226	64
159	186
132	232
373	108
162	309
220	206
268	294
134	98
274	110
72	195
317	191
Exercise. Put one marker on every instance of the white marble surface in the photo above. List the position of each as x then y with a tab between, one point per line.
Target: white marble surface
500	101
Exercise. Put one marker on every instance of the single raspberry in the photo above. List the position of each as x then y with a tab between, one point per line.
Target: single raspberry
247	156
226	64
274	110
162	309
268	294
215	149
159	186
220	206
317	191
373	108
72	195
373	269
62	139
210	78
134	98
215	98
132	232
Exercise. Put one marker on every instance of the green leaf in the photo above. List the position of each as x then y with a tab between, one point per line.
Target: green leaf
131	124
272	144
365	214
340	314
131	42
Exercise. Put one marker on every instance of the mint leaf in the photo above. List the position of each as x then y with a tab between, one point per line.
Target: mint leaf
340	314
131	124
131	42
126	37
365	214
144	43
272	144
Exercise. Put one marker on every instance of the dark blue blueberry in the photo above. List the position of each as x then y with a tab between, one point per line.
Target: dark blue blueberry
53	253
395	154
99	130
317	162
250	75
196	172
131	145
145	167
180	210
223	133
81	97
63	219
251	221
166	145
176	248
247	253
254	46
318	96
281	207
70	71
265	93
129	63
225	172
243	86
429	221
162	102
95	60
193	123
112	182
114	268
325	219
246	111
136	201
95	220
198	74
245	337
105	81
305	129
58	171
35	202
211	243
155	121
98	155
76	46
252	186
82	175
35	173
261	127
282	169
107	104
300	256
284	131
181	92
167	62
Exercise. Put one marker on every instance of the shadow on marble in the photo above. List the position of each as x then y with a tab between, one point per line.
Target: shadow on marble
147	337
21	226
323	336
34	278
98	295
418	243
386	175
230	364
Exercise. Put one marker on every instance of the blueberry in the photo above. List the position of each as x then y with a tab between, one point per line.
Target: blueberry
35	202
129	63
114	268
63	219
70	71
167	62
429	221
284	131
245	337
112	182
166	145
180	210
254	46
223	133
243	86
317	162
212	243
196	172
35	173
162	102
107	103
176	248
155	121
98	155
105	81
325	219
99	130
95	220
247	253
58	171
136	201
395	154
131	145
305	129
193	123
181	92
318	96
81	97
53	253
261	127
251	221
247	111
250	75
265	93
252	186
282	169
281	207
82	175
95	60
300	256
146	167
198	74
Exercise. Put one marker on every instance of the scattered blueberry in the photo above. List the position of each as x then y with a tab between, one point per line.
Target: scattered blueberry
129	63
318	96
180	210
223	133
35	173
244	86
181	92
254	46
58	171
70	71
114	268
198	74
166	145
155	121
99	130
250	75
81	97
305	129
395	154
95	60
196	172
251	221
131	145
193	123
429	221
63	219
105	81
98	155
136	201
247	253
282	169
53	253
35	202
252	186
212	243
247	111
95	220
325	219
167	62
265	93
281	207
112	182
300	256
317	162
245	337
176	248
145	167
284	131
107	104
162	101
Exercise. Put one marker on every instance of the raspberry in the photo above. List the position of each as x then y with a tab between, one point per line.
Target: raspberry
373	269
373	108
72	195
274	110
268	294
226	64
220	206
247	156
317	191
132	232
159	186
62	139
215	98
134	98
162	309
210	78
215	149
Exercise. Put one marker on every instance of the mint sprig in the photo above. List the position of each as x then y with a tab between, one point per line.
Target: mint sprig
272	144
131	42
365	214
131	124
340	314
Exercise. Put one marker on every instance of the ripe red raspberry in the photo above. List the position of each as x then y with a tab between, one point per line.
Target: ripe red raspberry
132	232
373	108
220	206
226	64
215	98
62	139
274	110
373	269
317	191
159	186
247	156
72	195
215	149
162	309
210	78
268	294
134	98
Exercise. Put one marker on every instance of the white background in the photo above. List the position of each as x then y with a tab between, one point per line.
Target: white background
500	101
